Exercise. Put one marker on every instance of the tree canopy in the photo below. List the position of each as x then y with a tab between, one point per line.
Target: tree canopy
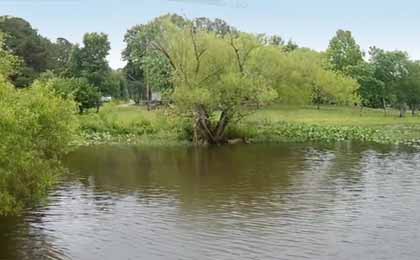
343	51
213	83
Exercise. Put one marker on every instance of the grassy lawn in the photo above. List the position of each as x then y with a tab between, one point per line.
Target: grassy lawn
128	113
126	119
326	116
336	116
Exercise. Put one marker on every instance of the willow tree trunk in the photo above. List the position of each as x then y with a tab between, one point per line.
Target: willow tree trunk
209	132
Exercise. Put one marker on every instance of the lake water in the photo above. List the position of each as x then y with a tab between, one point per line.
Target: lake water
236	202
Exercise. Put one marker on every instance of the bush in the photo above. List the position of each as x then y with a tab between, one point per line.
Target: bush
114	124
36	127
102	123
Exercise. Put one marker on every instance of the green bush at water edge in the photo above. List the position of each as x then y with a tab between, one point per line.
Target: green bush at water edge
36	127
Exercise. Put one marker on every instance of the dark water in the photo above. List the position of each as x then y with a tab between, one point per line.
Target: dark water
238	202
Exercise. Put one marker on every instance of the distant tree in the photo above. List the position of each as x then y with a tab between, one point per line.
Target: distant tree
77	89
276	40
290	46
299	78
89	61
116	84
333	88
135	83
407	92
147	69
218	26
62	51
390	69
25	42
343	51
370	87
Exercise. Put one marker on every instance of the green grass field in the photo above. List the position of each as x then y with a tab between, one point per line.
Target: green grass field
328	118
335	116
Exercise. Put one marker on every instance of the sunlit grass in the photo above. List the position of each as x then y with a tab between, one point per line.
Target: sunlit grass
128	113
335	116
327	115
122	120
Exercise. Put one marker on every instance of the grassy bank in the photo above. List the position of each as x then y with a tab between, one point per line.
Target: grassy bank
332	124
133	124
116	124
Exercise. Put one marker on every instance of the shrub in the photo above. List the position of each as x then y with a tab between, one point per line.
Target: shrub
36	127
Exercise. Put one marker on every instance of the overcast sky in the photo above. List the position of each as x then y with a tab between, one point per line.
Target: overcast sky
387	24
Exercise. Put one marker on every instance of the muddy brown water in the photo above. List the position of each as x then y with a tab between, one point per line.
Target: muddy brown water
284	201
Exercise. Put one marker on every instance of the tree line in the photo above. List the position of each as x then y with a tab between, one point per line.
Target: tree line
78	70
386	78
212	72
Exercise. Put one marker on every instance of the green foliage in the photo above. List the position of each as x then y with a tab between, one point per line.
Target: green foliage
333	88
370	87
408	91
292	132
8	62
61	51
36	127
116	84
90	62
136	90
37	53
132	125
343	51
213	84
390	69
300	78
77	89
148	68
136	125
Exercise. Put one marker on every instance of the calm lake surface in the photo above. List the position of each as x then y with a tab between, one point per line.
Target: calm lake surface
238	202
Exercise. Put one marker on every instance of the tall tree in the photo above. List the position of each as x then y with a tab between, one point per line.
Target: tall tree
62	50
89	61
148	69
213	84
25	42
371	88
391	67
408	90
299	78
343	51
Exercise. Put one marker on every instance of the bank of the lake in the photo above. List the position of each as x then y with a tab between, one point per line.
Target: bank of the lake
122	124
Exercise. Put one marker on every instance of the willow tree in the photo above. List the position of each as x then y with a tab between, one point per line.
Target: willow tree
299	78
213	82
